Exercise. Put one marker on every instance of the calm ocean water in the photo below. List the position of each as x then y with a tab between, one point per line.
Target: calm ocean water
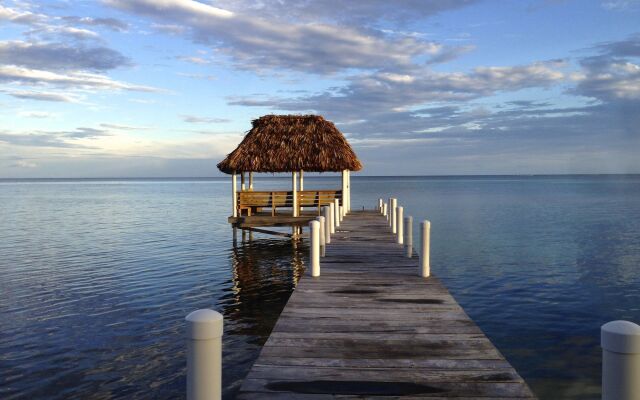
97	275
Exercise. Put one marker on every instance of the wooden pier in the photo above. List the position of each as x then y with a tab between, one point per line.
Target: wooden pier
371	327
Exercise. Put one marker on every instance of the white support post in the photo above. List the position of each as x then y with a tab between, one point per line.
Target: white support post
342	212
326	211
337	213
394	215
384	210
345	188
234	195
242	185
294	189
322	234
332	218
314	256
348	191
408	228
204	355
425	230
380	206
399	224
620	341
251	180
301	180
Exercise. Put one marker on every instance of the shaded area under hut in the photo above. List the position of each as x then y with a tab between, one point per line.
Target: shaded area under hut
288	144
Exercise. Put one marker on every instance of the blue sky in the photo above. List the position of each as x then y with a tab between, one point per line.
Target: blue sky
134	88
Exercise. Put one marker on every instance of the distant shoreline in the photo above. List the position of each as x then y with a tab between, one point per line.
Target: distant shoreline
323	176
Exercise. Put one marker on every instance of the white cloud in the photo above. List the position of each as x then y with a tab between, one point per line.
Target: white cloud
36	114
81	80
381	92
57	56
203	120
262	44
42	95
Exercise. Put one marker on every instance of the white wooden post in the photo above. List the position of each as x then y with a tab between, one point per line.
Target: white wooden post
337	213
294	189
301	180
242	185
326	212
384	211
204	355
620	341
408	222
345	188
380	206
332	218
234	195
394	215
348	191
425	230
314	229
322	234
250	180
342	212
399	224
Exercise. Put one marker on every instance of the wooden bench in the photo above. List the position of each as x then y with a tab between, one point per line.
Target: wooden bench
318	198
251	202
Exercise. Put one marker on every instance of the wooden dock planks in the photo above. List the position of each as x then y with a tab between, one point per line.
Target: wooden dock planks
370	327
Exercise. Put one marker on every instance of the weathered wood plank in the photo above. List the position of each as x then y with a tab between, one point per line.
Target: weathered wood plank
370	327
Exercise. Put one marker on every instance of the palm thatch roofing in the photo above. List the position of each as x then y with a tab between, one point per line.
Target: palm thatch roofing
286	143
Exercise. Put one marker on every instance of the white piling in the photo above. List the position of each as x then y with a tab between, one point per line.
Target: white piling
342	210
322	234
399	224
408	232
332	218
204	355
314	251
620	341
327	224
425	231
384	210
337	213
394	215
380	206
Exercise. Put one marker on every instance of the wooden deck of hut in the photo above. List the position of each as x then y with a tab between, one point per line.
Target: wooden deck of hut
371	327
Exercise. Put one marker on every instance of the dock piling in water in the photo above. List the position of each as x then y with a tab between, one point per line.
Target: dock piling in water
408	222
326	211
399	224
425	231
314	247
320	219
620	341
337	213
204	355
393	203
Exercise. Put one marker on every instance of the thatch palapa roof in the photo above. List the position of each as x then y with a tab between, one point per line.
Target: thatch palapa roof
286	143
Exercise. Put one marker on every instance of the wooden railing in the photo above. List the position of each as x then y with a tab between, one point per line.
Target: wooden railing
251	202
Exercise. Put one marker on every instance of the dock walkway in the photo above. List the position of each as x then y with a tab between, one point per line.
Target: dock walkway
371	327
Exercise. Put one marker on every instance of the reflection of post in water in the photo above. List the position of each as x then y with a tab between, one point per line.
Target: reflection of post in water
297	265
264	273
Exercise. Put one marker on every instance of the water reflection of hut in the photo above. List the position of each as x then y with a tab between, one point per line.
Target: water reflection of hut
287	144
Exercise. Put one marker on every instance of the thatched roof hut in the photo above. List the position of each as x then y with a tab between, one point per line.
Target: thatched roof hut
286	143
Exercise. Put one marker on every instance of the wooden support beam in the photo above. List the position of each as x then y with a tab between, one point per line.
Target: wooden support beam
269	232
